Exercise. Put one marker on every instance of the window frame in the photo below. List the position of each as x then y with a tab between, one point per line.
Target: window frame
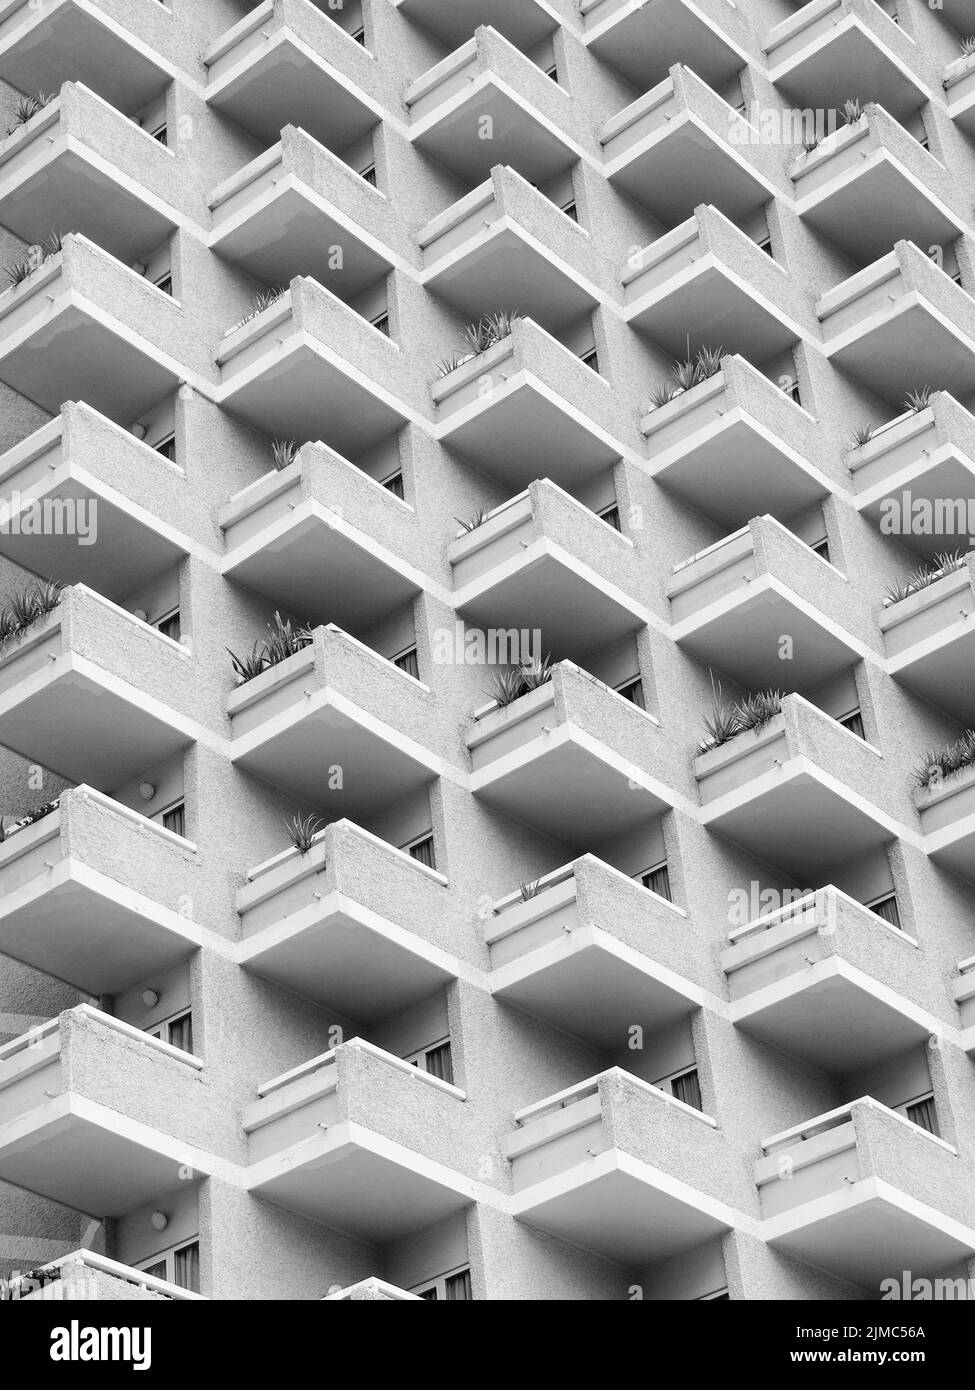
167	1258
439	1284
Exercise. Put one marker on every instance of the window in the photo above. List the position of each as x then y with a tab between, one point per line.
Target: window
369	174
359	35
611	516
169	627
174	818
657	880
718	1297
381	322
854	722
177	1031
590	359
791	389
632	690
179	1266
161	133
422	851
765	244
449	1288
394	484
407	661
435	1061
821	548
166	447
684	1086
922	1112
886	907
553	72
165	283
571	210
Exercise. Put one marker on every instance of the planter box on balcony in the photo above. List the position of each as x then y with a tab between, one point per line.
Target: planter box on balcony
959	87
622	1169
335	726
864	1194
930	641
90	894
348	1140
594	953
506	243
354	923
570	755
372	1291
947	813
826	979
86	692
644	42
341	558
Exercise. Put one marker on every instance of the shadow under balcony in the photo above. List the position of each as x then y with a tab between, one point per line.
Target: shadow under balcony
735	447
288	63
86	692
341	1140
44	46
354	924
290	211
930	642
827	980
325	560
829	49
336	726
519	569
529	406
81	165
89	895
309	367
644	41
731	604
593	953
707	284
87	501
619	1168
58	1142
864	1194
569	756
525	23
506	243
795	793
900	324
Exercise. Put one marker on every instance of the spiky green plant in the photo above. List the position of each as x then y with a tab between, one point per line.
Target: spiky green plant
285	639
27	606
446	365
490	329
660	395
18	271
708	362
264	299
472	522
946	562
968	46
810	144
536	673
730	718
862	434
918	400
284	452
530	890
945	762
852	110
28	107
302	831
248	667
507	686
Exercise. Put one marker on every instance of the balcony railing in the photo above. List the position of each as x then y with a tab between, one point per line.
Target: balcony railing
86	1276
622	1169
930	643
91	894
384	1129
567	756
865	1194
826	979
372	1291
354	923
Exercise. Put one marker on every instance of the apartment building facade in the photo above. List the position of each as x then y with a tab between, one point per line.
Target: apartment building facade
485	637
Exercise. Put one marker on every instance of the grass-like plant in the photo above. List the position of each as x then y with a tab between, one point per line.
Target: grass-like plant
511	683
945	762
490	329
28	107
536	673
25	607
810	144
688	372
18	271
446	365
283	639
918	400
302	831
728	719
862	434
660	394
968	46
852	110
946	562
284	452
472	522
530	890
264	299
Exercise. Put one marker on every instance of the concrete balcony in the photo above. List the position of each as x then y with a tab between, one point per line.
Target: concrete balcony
924	460
569	756
644	42
81	166
60	1135
864	1194
90	894
930	642
87	501
959	88
372	1291
85	327
345	1140
529	406
310	367
335	705
285	213
731	604
947	813
506	243
796	793
829	49
288	63
708	283
87	1277
525	23
964	995
870	185
827	980
621	1169
89	692
900	324
338	560
681	145
736	447
544	561
355	924
44	46
593	953
488	80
